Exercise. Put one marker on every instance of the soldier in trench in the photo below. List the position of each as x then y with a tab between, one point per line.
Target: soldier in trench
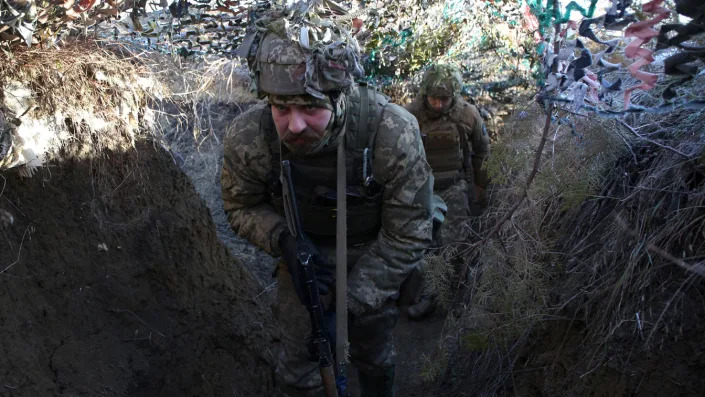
456	144
313	105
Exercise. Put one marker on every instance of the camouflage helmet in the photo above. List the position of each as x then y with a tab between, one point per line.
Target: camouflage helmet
280	66
441	80
290	53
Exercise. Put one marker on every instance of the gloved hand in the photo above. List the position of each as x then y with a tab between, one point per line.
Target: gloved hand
290	248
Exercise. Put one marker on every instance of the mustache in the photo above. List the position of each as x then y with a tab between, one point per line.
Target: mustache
308	135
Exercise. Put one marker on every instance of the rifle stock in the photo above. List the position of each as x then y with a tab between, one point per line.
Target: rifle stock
307	274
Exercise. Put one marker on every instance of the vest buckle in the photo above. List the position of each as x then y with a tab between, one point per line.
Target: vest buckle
366	175
372	188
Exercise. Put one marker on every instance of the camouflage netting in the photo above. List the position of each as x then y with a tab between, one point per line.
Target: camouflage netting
497	44
585	63
399	38
490	41
190	27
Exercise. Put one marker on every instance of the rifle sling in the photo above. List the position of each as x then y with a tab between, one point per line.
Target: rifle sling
341	303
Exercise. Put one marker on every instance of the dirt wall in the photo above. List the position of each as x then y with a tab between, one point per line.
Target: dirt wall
114	282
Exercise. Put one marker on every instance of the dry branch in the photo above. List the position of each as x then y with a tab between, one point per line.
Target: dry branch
633	131
524	194
698	268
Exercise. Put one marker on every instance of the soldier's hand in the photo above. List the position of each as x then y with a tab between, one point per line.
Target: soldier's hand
287	245
325	271
290	248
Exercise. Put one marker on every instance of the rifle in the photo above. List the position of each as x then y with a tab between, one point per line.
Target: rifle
307	275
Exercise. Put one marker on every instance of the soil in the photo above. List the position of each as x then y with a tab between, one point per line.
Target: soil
416	343
114	282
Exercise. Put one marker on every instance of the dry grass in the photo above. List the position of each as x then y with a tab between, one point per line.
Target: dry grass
195	88
99	96
210	79
612	234
81	75
81	93
83	102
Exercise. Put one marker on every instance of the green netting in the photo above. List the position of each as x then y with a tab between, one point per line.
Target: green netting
496	49
388	41
454	10
548	15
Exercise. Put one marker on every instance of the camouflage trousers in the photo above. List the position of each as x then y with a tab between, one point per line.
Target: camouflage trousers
453	229
370	337
456	198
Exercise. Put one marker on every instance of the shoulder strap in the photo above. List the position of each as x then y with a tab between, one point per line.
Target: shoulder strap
364	111
379	110
368	107
462	130
267	129
465	130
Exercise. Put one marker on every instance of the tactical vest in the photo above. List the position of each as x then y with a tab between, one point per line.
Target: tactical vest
314	176
443	144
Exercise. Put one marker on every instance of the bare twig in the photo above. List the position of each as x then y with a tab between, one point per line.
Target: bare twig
633	131
628	147
14	206
118	186
698	268
525	192
265	290
19	251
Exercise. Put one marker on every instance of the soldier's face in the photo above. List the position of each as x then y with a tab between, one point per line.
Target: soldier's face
300	125
439	103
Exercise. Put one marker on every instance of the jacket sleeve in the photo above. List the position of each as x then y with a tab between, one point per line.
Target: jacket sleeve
245	174
479	142
400	166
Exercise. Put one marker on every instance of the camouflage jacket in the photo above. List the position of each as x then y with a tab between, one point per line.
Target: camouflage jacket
466	118
399	165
